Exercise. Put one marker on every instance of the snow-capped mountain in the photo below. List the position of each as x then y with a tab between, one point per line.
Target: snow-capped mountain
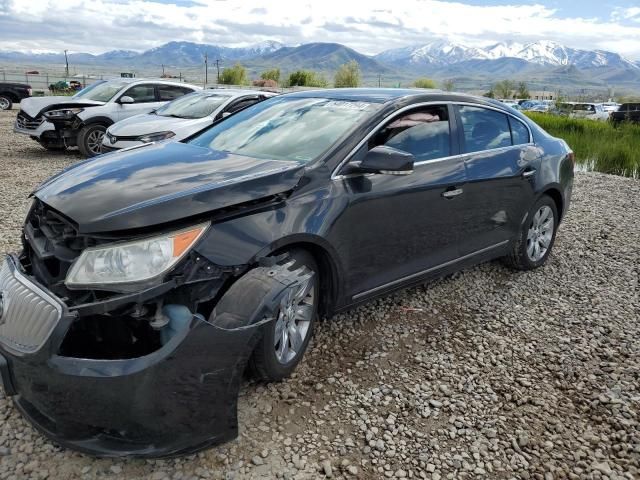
438	53
542	52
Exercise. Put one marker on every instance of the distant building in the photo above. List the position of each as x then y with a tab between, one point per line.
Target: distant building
542	95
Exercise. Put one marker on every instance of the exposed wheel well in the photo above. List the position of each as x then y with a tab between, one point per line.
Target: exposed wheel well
11	96
557	198
328	273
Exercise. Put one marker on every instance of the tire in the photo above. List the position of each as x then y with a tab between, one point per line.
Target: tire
5	103
90	139
265	363
525	254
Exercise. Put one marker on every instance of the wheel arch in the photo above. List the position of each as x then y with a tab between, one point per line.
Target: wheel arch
10	95
327	260
556	195
101	120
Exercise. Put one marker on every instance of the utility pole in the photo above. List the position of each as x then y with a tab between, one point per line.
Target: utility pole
163	70
206	69
379	80
218	68
66	61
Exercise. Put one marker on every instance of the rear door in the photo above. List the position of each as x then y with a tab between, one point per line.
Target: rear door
500	163
400	227
144	97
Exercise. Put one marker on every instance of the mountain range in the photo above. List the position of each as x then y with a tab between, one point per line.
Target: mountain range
542	61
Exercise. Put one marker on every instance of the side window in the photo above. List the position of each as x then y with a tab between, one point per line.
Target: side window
484	129
142	93
241	104
519	132
424	132
171	92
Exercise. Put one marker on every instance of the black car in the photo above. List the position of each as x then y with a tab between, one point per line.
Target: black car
628	112
11	93
151	278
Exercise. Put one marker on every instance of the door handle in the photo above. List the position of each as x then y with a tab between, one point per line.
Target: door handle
452	193
529	173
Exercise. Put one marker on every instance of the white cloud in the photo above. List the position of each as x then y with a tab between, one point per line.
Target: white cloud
99	25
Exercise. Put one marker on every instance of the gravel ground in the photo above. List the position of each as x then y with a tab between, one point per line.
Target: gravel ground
486	374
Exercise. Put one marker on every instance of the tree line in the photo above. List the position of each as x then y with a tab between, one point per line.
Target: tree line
348	75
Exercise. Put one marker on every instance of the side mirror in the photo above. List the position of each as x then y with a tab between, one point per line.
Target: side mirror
126	99
385	160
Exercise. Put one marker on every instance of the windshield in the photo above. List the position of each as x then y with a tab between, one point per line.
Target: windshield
286	128
196	105
101	92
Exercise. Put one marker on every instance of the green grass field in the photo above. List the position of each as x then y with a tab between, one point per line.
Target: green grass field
597	145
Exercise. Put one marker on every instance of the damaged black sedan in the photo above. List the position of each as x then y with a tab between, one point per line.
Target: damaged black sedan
151	278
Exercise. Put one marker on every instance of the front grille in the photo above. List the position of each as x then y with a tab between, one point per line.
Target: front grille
29	315
25	122
52	243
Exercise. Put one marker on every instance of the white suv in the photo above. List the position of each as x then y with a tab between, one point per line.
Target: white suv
60	122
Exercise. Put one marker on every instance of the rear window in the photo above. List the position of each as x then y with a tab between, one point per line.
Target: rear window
519	132
484	129
171	92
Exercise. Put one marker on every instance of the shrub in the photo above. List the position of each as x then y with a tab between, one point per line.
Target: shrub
306	78
236	75
424	83
273	74
348	75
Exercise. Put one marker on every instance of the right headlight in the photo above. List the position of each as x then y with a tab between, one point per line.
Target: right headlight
132	262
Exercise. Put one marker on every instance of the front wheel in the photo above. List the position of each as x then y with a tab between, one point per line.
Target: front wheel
90	140
285	339
5	103
537	236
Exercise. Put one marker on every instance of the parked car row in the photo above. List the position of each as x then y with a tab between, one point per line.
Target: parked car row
150	278
608	111
114	114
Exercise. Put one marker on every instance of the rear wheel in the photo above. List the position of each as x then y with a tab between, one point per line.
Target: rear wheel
285	339
90	140
5	103
537	236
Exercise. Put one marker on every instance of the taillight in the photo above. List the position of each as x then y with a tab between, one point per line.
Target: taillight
572	158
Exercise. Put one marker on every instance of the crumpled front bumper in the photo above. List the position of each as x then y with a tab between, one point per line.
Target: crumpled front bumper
176	400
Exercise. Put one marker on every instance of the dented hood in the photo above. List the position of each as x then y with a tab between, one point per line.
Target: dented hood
32	106
161	183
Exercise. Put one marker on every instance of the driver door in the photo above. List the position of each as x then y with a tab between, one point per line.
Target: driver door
399	228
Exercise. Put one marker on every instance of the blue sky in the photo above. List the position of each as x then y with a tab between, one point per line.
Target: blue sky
96	26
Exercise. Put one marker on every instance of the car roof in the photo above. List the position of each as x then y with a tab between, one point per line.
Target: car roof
371	95
127	80
391	95
236	92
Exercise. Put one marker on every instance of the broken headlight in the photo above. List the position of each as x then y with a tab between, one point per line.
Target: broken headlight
62	114
131	262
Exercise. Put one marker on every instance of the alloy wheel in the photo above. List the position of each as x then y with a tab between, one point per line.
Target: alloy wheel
94	141
294	320
4	103
540	233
